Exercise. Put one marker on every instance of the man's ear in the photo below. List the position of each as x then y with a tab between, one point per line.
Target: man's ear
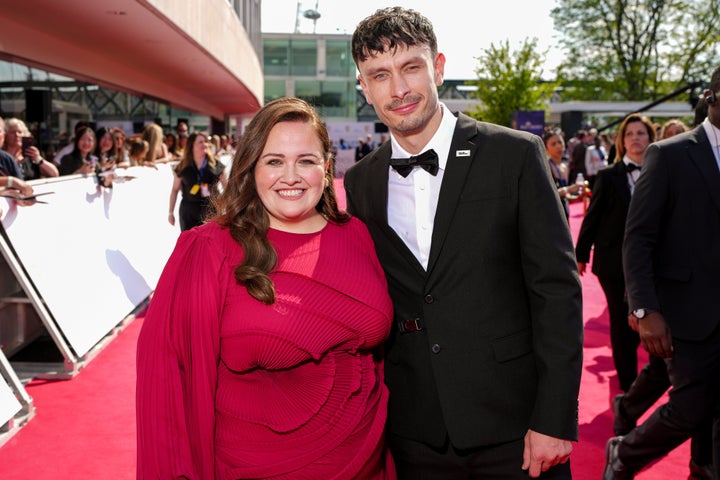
439	69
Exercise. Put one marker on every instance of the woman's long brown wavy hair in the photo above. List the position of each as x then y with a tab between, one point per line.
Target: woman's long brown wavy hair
239	207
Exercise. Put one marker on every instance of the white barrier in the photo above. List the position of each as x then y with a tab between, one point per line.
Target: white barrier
9	405
16	406
93	254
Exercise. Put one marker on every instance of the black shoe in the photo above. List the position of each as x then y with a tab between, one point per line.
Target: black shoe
700	472
614	468
621	423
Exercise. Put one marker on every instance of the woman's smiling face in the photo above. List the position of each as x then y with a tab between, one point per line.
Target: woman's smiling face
290	177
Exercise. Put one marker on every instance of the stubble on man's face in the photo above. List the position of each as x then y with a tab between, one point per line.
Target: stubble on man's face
402	87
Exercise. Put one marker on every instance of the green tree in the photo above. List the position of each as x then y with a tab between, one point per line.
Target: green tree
510	81
635	49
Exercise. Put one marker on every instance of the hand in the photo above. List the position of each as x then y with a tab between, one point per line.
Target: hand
33	153
24	187
581	267
655	335
543	452
87	168
633	322
106	163
106	179
171	219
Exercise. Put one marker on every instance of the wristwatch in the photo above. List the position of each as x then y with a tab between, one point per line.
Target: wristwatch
641	313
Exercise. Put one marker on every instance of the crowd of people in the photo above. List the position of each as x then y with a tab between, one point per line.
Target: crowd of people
434	330
100	151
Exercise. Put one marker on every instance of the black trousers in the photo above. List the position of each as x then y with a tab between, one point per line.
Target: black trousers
624	341
693	405
418	461
650	384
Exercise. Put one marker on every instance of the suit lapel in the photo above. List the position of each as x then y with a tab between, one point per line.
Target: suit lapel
378	206
379	177
621	181
702	156
460	157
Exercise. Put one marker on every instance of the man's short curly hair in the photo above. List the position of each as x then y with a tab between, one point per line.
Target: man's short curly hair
390	28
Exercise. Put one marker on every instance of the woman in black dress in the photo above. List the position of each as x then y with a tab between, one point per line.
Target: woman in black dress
197	175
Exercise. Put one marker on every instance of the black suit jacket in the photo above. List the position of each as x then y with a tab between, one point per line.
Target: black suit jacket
604	223
671	252
500	303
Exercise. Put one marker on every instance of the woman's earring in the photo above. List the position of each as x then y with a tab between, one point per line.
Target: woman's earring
326	180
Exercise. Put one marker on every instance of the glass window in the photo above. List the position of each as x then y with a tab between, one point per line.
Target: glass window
275	57
332	99
308	91
339	59
304	58
274	89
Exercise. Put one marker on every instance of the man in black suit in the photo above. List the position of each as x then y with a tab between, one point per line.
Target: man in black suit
484	361
671	257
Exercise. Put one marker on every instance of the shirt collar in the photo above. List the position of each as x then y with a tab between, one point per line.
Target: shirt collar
626	160
712	132
440	142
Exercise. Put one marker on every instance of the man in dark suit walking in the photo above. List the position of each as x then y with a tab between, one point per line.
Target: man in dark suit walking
671	257
484	361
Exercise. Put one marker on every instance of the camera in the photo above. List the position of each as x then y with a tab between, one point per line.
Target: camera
27	142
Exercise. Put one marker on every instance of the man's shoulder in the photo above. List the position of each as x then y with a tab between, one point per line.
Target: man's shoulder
682	140
5	157
473	127
8	165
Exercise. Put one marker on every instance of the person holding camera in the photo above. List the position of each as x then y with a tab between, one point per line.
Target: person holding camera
10	173
19	143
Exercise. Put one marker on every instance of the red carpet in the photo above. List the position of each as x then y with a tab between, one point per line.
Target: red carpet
84	428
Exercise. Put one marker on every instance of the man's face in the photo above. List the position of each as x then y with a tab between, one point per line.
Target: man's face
402	87
713	112
13	136
182	134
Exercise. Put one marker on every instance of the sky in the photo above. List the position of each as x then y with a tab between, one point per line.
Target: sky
464	28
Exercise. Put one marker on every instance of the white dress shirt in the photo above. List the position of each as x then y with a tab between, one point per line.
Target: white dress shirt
713	134
412	200
632	176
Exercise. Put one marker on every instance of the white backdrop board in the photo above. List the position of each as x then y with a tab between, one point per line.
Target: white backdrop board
94	253
9	405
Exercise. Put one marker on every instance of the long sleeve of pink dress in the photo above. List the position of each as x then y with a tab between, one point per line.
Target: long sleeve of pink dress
230	388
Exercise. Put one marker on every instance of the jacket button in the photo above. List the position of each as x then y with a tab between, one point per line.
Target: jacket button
435	348
429	298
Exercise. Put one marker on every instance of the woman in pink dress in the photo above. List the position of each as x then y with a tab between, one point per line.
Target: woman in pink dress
261	353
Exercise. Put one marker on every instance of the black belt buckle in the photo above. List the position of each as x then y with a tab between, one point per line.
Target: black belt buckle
410	325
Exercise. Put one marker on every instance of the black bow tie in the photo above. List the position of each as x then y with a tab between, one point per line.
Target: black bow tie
427	160
631	166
